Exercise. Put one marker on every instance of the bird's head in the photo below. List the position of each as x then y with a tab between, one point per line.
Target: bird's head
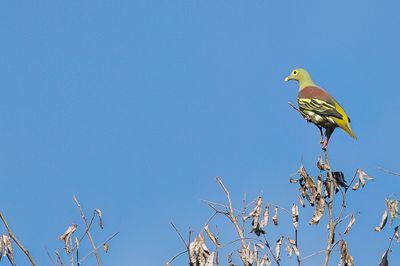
297	74
302	76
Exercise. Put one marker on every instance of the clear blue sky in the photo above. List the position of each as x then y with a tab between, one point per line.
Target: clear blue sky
135	106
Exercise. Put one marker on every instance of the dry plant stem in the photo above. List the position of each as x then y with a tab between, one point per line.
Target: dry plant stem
332	224
50	257
176	256
234	220
88	232
59	258
318	252
184	242
388	171
296	244
99	246
270	250
231	214
72	253
87	228
11	234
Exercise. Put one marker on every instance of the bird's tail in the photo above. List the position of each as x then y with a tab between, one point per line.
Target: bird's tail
345	125
348	130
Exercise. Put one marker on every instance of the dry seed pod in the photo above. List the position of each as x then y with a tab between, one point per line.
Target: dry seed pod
383	222
275	218
212	237
278	248
351	222
264	221
295	215
67	236
346	258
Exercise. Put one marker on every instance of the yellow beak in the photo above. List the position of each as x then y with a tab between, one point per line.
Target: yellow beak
287	78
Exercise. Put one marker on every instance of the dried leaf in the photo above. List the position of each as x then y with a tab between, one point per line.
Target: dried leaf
260	246
322	165
357	185
105	247
278	248
339	178
346	259
246	255
393	206
265	261
362	176
295	216
7	249
99	214
384	260
213	238
293	246
289	250
77	243
67	236
351	222
383	222
296	251
230	263
275	218
255	213
301	201
264	221
199	254
319	210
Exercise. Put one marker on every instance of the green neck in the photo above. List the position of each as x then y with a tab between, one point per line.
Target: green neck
305	81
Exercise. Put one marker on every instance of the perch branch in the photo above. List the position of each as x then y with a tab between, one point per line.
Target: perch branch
332	224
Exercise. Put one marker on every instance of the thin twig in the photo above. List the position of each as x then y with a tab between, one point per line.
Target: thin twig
50	257
270	250
294	107
59	258
176	256
351	183
230	214
180	235
99	246
283	209
11	234
388	171
313	254
88	228
88	232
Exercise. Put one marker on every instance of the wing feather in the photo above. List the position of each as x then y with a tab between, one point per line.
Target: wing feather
319	107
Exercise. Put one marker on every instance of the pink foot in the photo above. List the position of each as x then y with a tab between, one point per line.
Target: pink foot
324	144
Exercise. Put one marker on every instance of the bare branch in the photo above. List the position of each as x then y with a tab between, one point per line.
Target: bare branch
11	234
388	171
99	246
88	232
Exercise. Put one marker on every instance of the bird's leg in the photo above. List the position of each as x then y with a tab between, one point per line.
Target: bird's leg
328	133
322	134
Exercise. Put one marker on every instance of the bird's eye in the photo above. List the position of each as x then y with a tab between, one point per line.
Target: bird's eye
295	72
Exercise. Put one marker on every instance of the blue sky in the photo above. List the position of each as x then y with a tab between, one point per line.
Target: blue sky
135	107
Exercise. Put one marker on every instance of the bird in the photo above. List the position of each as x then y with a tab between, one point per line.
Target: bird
318	107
